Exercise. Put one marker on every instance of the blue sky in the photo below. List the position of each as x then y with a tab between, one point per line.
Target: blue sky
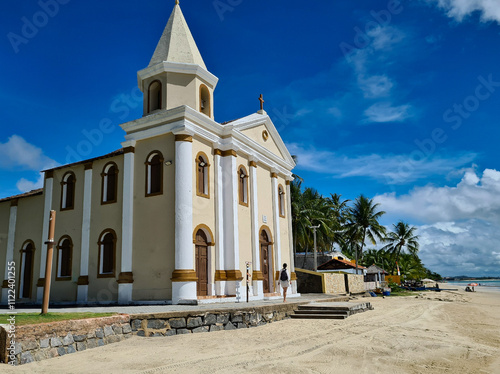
395	100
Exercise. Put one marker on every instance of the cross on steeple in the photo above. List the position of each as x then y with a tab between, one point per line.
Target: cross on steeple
261	99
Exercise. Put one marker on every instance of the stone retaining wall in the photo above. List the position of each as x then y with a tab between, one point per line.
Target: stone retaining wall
176	323
48	340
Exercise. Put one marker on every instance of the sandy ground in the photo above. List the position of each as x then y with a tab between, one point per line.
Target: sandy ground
447	332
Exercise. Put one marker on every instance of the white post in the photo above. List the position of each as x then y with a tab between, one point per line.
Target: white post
258	285
83	280
220	276
10	247
184	276
231	237
126	279
48	191
276	220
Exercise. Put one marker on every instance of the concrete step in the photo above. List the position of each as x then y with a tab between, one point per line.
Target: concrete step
319	316
320	311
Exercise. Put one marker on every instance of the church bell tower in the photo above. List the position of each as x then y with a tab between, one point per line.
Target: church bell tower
177	74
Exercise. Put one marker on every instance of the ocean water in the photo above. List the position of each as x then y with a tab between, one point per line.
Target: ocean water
489	284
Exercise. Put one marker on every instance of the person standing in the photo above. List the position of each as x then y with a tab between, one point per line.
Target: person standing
284	280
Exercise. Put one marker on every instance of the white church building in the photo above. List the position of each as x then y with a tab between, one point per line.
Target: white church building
176	214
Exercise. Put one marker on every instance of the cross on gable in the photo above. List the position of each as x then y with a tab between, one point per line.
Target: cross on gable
261	99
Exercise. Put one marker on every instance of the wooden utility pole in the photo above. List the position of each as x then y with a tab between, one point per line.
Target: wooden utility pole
48	265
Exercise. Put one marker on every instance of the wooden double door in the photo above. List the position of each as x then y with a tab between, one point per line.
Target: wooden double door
266	262
201	254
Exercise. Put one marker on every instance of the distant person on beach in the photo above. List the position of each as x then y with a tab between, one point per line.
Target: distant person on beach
284	281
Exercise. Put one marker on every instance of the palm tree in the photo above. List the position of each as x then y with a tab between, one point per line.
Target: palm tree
401	238
363	223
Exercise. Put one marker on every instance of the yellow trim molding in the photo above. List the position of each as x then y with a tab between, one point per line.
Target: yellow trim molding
257	275
83	280
234	275
184	276
220	275
184	138
125	278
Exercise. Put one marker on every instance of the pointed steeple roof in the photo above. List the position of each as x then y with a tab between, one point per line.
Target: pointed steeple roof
177	43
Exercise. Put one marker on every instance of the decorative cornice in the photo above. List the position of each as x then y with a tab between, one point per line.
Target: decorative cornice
184	138
229	152
128	150
257	275
234	275
274	175
83	280
220	275
184	276
126	278
14	202
217	152
88	166
252	164
49	174
288	183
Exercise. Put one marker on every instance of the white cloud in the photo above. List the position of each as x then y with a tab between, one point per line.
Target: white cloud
18	154
386	112
462	229
375	86
461	9
460	248
475	197
386	168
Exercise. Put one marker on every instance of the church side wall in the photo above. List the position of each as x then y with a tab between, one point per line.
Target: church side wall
68	222
104	217
245	222
204	208
29	227
154	224
285	240
4	230
265	197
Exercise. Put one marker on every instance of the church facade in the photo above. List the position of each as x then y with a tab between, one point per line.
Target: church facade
178	214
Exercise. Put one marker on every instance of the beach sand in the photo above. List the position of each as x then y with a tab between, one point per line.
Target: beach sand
446	332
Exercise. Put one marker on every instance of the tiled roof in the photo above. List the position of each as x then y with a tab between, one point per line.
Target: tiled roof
336	264
26	194
112	154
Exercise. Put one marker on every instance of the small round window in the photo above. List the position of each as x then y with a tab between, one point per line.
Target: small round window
265	135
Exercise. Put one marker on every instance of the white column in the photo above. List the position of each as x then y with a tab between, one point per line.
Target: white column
10	248
83	288
258	285
184	277
290	233
276	224
48	191
220	283
125	279
231	237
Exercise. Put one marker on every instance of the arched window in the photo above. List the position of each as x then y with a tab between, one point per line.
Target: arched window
281	200
64	258
202	175
154	96
107	254
154	174
243	185
205	104
26	275
109	183
68	191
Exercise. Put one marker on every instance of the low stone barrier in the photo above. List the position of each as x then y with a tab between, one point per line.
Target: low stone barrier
48	340
176	323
